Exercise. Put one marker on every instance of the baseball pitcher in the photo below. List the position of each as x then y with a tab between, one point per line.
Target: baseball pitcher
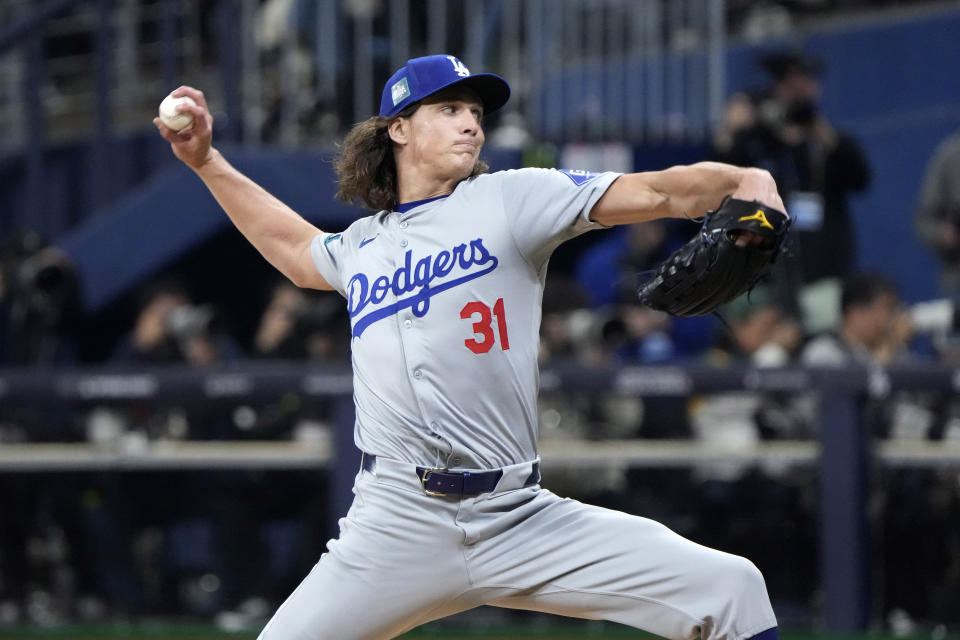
443	284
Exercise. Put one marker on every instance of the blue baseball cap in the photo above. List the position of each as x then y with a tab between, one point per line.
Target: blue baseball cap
422	77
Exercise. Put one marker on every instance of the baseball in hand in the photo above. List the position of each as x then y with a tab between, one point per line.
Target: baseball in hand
170	114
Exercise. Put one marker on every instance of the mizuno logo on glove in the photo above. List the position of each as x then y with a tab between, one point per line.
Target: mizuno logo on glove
759	216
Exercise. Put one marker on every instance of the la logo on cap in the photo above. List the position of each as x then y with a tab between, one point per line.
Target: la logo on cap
459	67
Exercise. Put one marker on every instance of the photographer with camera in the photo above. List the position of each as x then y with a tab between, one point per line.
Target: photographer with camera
298	324
169	328
816	166
40	303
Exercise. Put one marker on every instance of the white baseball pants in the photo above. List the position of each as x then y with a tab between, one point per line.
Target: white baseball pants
405	558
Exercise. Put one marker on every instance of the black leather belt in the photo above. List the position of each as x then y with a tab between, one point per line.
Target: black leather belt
441	482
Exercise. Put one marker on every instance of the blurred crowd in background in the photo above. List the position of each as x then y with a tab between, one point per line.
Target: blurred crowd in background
106	545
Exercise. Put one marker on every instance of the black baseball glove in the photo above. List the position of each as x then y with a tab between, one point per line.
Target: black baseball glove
713	268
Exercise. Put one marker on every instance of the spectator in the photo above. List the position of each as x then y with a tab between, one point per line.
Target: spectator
759	332
296	325
40	319
917	523
874	329
938	213
41	568
300	324
169	328
760	335
814	164
299	98
277	335
39	301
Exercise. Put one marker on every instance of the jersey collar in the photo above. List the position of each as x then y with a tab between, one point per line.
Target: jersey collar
407	206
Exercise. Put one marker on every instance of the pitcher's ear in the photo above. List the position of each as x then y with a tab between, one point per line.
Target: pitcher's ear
398	130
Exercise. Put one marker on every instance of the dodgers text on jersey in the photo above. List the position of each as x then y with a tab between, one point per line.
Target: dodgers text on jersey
365	295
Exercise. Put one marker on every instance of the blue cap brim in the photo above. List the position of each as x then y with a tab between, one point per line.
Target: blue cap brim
492	89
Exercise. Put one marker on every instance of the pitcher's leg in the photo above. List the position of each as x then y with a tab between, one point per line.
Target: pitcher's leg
396	565
333	603
602	564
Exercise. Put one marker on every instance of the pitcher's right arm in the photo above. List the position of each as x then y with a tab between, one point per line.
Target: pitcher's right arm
281	235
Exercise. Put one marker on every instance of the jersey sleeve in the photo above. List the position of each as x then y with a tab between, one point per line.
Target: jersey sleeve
546	207
328	251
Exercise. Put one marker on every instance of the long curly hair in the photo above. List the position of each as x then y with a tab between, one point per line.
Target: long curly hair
366	169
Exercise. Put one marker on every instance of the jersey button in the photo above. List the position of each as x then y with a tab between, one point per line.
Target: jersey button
403	225
417	374
403	242
408	323
457	461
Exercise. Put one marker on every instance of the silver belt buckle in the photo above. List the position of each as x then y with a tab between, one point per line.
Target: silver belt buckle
423	483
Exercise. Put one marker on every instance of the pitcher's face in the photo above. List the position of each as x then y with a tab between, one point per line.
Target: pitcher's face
445	135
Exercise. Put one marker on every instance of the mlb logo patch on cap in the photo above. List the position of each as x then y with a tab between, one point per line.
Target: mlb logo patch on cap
400	91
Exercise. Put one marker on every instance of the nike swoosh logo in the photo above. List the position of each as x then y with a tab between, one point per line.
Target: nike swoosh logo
363	243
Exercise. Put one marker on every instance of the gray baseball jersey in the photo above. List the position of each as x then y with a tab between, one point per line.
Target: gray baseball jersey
444	300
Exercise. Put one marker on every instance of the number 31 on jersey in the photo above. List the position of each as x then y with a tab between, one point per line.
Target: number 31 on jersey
483	328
